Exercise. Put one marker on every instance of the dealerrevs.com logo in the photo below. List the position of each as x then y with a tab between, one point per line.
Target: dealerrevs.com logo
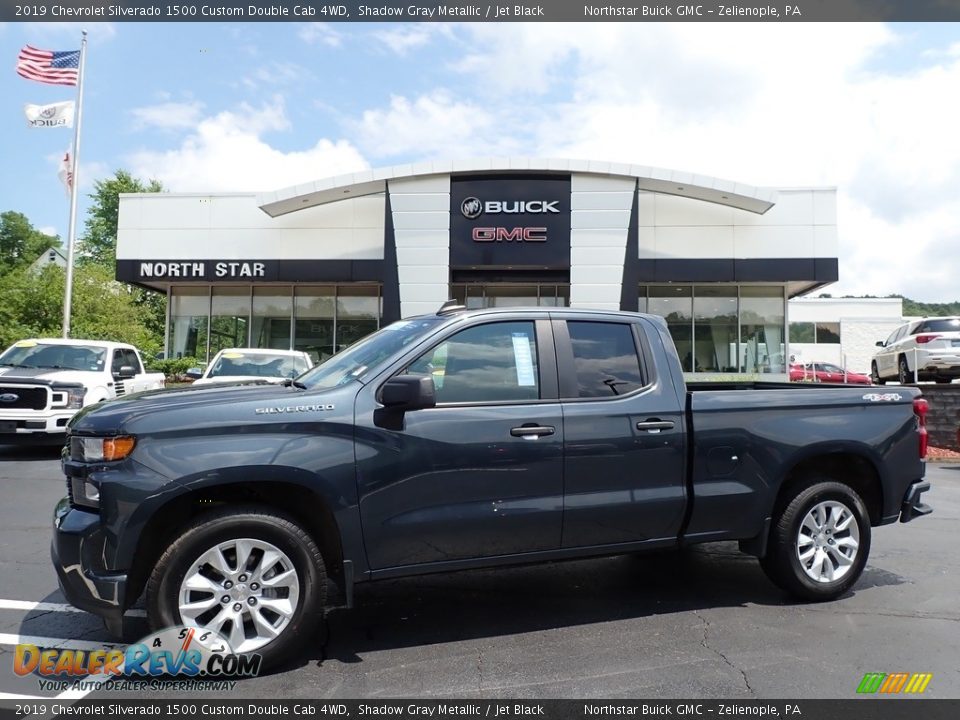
202	657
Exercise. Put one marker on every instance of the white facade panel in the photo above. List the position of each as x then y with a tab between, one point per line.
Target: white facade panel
826	243
646	243
421	220
601	183
597	237
428	184
673	211
424	238
794	207
424	275
601	296
774	242
824	207
413	256
646	208
597	256
597	274
425	202
435	293
580	219
601	200
694	242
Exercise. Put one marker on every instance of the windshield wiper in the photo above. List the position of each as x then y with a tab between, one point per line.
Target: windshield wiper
18	365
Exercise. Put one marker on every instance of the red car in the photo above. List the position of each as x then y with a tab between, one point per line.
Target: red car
825	372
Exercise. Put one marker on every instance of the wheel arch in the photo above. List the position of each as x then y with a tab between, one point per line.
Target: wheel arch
842	465
300	503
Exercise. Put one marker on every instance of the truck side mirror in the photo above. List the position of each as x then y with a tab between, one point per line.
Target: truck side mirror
126	372
408	392
194	373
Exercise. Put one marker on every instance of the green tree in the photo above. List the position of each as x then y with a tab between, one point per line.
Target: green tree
99	241
20	242
98	245
31	305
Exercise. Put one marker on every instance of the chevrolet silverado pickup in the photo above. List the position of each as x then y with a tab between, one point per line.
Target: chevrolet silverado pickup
461	440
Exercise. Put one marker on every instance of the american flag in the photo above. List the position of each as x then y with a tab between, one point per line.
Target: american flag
55	67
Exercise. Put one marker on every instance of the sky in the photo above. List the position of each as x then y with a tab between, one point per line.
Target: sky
870	109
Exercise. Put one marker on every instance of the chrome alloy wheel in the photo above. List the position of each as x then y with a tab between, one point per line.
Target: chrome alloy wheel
827	541
246	590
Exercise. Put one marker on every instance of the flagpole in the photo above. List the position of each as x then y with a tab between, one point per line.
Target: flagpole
72	231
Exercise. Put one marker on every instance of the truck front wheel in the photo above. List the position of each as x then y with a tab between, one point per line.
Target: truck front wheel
819	541
255	577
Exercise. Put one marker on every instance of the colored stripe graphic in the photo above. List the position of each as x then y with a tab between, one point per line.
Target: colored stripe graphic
918	682
894	683
871	682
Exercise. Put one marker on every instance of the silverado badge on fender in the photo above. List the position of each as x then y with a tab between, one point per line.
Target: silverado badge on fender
274	409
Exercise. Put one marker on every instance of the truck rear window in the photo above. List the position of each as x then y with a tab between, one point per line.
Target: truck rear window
605	358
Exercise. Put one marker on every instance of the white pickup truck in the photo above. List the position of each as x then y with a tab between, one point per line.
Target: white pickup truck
43	383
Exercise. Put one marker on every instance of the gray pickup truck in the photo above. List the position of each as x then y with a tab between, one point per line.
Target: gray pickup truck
461	440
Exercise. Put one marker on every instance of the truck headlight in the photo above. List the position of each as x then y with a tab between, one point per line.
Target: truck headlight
88	449
75	397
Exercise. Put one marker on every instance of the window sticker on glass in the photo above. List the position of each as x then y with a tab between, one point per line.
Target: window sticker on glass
524	360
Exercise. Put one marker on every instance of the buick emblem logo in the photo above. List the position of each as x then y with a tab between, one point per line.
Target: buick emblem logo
48	113
471	208
9	397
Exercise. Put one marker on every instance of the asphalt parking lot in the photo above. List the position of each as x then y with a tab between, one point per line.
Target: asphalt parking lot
704	623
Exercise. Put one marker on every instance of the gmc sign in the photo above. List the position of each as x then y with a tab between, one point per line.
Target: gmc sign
517	234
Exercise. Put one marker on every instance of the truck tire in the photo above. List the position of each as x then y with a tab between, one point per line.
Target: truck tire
819	541
253	575
903	371
875	375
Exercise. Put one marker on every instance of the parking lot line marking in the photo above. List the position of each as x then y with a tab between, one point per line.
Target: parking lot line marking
54	607
48	642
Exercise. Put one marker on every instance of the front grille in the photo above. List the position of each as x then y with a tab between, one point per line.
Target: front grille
14	397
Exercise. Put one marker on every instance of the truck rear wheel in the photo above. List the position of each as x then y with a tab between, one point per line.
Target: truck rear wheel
819	542
255	577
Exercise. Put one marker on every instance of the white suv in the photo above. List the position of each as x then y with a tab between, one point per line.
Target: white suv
931	347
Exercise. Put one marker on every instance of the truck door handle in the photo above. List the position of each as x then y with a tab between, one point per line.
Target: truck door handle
532	432
655	426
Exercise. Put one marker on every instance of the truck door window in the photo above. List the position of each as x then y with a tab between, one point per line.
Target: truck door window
605	359
496	362
117	361
131	360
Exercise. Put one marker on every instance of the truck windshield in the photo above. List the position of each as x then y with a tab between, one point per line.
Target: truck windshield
237	363
349	364
28	354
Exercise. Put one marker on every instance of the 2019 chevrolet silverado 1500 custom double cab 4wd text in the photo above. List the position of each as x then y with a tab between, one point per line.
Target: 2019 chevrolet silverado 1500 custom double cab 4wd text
468	439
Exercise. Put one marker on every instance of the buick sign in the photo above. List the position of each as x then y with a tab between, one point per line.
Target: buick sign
472	208
9	397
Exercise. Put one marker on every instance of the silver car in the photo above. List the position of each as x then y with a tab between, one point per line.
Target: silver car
927	349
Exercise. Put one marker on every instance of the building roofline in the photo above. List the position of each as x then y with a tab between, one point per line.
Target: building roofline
660	180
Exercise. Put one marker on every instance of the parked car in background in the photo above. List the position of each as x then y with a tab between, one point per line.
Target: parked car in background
44	382
825	372
930	346
232	365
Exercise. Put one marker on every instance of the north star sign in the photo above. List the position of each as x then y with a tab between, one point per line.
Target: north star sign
164	269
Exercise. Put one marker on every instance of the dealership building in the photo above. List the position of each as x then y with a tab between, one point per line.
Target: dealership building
319	265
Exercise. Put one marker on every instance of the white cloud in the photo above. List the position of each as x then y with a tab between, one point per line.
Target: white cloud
48	230
323	33
226	152
276	73
168	115
428	126
404	38
779	105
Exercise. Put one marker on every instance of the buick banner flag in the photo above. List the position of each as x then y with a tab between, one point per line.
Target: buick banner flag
58	114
